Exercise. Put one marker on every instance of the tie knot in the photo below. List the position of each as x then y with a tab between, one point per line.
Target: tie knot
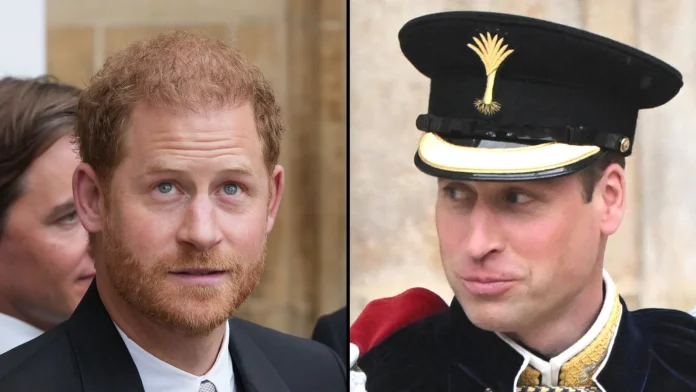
207	386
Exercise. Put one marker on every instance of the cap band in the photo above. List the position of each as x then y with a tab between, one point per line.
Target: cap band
454	127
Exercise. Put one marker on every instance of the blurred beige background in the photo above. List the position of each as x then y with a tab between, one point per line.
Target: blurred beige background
393	243
300	46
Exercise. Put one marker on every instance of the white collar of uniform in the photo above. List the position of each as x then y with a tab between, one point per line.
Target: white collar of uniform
157	375
15	332
550	370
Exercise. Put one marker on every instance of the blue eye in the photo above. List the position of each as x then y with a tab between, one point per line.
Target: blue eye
230	189
165	187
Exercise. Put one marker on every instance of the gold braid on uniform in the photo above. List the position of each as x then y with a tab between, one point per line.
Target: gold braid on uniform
529	377
557	389
576	374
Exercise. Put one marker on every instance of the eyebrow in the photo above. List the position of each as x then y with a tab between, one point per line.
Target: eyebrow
458	183
524	187
60	210
163	166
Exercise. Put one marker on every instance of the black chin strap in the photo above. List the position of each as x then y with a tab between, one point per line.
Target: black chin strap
454	127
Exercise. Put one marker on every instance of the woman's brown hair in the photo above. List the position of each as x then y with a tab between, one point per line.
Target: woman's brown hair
34	114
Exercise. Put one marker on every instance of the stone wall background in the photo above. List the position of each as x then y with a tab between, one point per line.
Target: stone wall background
392	236
301	47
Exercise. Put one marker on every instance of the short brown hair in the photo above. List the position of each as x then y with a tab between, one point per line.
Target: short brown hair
181	70
34	114
591	175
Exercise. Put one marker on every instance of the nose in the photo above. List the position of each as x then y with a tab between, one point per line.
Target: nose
199	228
485	236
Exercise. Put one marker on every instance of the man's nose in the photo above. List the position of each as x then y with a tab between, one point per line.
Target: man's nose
484	237
199	227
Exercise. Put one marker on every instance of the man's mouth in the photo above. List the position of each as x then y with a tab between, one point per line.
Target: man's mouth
200	276
198	272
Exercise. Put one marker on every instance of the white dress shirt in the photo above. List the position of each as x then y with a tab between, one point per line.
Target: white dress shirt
159	376
15	332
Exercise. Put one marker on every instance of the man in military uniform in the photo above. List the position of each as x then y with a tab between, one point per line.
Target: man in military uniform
527	130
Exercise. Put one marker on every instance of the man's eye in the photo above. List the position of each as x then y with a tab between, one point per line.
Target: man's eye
515	197
230	189
454	193
165	187
68	219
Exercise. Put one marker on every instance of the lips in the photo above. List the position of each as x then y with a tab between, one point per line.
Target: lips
199	277
488	285
488	279
198	272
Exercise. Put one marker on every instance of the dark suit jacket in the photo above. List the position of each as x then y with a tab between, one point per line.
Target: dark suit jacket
332	330
87	354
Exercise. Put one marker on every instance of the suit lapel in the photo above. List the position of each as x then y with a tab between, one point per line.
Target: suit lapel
104	362
256	372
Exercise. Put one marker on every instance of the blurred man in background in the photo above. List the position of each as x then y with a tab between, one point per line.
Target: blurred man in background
45	268
332	330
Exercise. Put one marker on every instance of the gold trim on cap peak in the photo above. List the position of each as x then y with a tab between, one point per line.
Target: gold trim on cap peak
436	152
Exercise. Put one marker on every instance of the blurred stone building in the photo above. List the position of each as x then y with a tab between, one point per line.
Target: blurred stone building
393	244
301	47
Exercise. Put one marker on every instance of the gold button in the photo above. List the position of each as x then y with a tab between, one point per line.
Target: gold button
625	144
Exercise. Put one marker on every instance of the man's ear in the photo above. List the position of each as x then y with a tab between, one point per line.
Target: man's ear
87	194
612	197
276	192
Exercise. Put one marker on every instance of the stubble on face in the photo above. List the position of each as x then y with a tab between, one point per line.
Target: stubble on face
186	309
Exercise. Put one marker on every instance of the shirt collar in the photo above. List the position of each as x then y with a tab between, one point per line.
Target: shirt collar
157	375
15	332
586	358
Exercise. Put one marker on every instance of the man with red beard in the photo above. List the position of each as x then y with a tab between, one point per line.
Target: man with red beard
179	187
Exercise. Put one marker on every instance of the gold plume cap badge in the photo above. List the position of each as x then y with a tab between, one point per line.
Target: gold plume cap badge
492	53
